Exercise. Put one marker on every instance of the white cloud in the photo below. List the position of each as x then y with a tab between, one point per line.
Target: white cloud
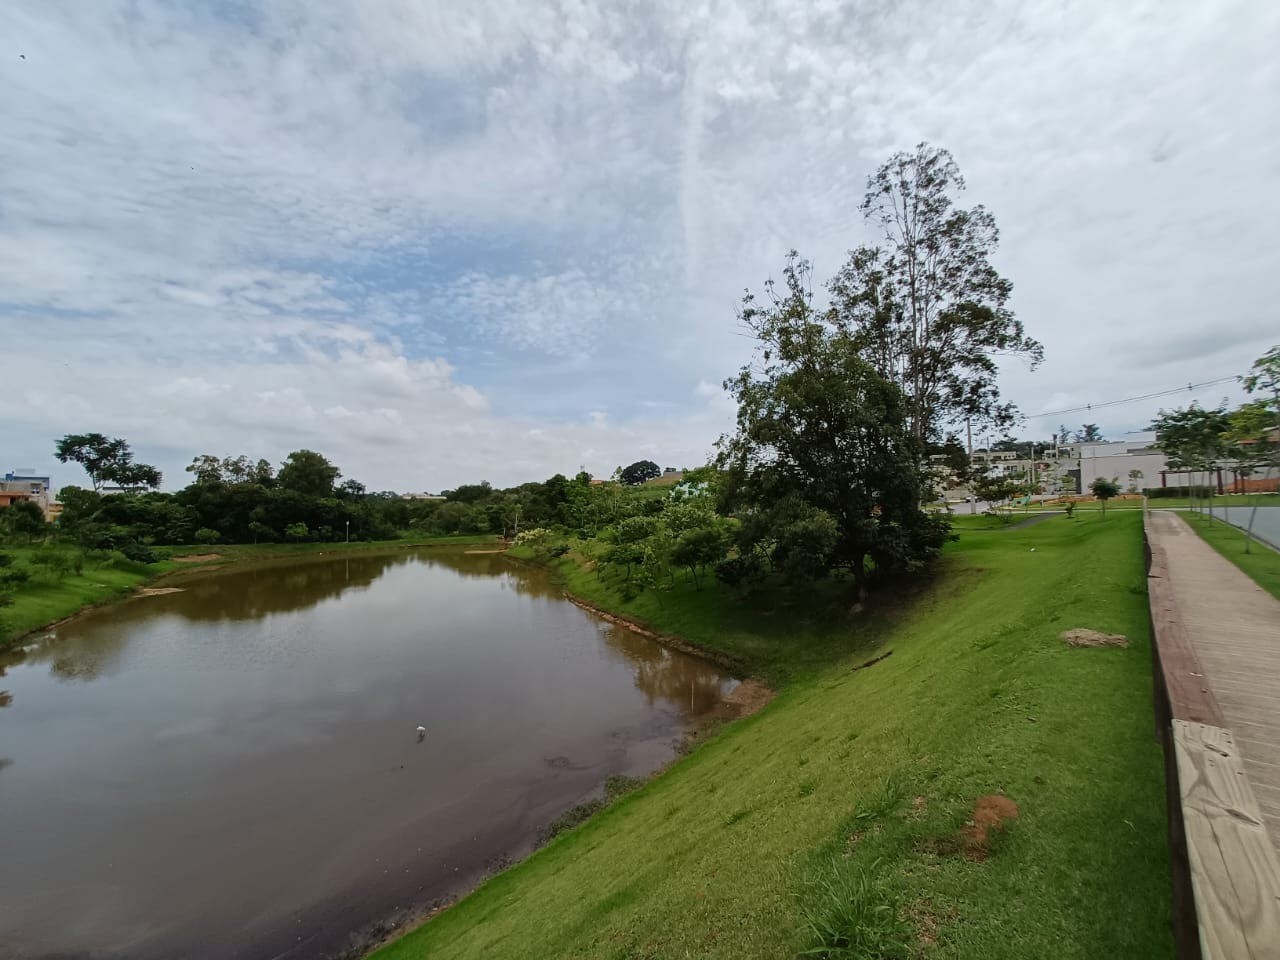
433	238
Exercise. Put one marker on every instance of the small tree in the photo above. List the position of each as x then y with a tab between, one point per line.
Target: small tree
1134	477
993	488
22	521
106	460
1104	490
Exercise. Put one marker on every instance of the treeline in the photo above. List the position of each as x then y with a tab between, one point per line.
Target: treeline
240	500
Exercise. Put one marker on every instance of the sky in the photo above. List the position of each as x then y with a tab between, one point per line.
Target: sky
444	242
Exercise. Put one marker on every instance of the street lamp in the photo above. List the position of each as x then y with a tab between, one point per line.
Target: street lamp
348	532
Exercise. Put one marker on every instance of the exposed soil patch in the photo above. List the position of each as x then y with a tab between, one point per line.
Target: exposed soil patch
157	591
748	697
989	815
1080	637
197	558
973	841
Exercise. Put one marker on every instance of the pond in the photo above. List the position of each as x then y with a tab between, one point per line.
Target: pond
234	770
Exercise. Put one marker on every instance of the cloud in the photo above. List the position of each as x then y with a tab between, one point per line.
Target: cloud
432	239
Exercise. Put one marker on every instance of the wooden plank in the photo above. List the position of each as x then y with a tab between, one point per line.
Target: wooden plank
1234	871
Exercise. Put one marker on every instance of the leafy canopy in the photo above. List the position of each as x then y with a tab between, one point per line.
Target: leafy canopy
106	460
823	469
925	307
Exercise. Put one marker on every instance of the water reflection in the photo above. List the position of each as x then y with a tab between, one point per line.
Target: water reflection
664	674
253	592
250	741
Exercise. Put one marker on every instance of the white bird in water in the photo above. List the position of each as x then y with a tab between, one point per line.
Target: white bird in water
422	732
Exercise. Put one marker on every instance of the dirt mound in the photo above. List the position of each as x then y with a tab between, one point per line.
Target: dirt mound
158	591
1080	637
198	558
990	813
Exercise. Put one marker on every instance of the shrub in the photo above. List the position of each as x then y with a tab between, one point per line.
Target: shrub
139	553
735	571
53	563
207	535
296	532
1160	493
560	549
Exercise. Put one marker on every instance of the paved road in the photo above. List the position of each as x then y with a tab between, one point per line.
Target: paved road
1266	526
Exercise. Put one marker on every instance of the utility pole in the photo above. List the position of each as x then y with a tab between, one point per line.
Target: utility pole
968	433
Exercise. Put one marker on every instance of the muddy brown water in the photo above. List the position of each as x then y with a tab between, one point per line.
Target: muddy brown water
233	771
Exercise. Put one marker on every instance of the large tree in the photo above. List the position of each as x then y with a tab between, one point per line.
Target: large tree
106	460
824	468
640	471
925	306
309	473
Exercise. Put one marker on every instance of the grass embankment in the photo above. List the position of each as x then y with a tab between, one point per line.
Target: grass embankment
1261	563
49	596
850	792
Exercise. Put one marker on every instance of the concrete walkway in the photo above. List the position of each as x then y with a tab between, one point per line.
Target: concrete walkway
1234	627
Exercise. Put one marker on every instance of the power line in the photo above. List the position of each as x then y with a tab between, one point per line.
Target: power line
1190	387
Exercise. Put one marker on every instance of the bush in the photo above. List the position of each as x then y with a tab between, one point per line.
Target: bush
735	571
54	563
1160	493
13	577
560	549
207	535
139	553
297	532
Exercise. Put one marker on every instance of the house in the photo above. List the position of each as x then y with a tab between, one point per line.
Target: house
26	484
422	496
9	497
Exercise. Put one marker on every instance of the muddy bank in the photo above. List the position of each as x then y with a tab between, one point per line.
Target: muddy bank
718	657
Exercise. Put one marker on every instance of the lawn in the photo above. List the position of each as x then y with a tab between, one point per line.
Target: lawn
839	807
1261	563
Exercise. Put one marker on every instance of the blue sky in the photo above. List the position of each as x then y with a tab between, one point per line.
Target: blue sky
442	242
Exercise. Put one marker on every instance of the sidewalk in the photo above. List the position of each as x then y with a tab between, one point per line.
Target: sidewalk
1234	627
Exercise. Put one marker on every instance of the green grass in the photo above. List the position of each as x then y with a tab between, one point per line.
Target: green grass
45	598
1261	563
828	822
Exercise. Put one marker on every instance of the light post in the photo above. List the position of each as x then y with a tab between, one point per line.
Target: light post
348	533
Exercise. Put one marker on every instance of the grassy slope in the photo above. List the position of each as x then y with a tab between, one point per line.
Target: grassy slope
979	697
1261	563
44	599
